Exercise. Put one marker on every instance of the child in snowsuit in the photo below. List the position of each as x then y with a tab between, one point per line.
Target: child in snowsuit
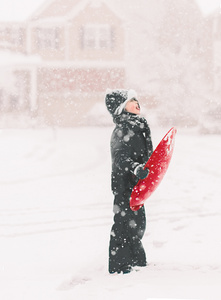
131	147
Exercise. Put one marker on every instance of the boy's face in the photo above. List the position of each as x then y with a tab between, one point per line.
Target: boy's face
133	107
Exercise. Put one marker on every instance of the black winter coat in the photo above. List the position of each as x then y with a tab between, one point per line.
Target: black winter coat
131	145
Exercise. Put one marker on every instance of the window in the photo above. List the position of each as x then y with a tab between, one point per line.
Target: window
48	38
13	35
17	36
97	36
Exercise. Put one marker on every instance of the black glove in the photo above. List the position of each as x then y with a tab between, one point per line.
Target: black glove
140	172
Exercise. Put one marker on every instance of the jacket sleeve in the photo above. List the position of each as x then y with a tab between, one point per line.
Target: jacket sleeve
121	153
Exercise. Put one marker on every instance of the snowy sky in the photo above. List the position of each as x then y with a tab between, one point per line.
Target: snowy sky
19	10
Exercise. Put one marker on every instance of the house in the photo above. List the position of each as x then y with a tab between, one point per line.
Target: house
72	50
212	112
216	33
80	45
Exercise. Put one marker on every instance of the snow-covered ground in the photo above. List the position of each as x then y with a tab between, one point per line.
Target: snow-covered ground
56	215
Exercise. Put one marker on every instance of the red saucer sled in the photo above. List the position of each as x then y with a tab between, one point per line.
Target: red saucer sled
157	164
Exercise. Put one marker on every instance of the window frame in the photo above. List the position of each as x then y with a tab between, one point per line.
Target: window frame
48	38
97	36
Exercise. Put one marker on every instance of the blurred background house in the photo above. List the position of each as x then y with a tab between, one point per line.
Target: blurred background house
56	65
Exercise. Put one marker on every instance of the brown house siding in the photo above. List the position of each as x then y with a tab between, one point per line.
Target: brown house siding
66	95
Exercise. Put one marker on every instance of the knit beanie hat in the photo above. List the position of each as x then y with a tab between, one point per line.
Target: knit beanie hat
117	99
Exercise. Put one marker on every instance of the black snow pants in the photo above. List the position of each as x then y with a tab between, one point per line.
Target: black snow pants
125	248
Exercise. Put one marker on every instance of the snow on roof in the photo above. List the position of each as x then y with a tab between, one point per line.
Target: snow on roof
83	64
8	58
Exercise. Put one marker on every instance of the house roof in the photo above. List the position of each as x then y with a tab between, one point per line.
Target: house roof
60	10
54	8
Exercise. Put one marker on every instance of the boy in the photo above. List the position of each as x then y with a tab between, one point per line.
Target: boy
131	147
